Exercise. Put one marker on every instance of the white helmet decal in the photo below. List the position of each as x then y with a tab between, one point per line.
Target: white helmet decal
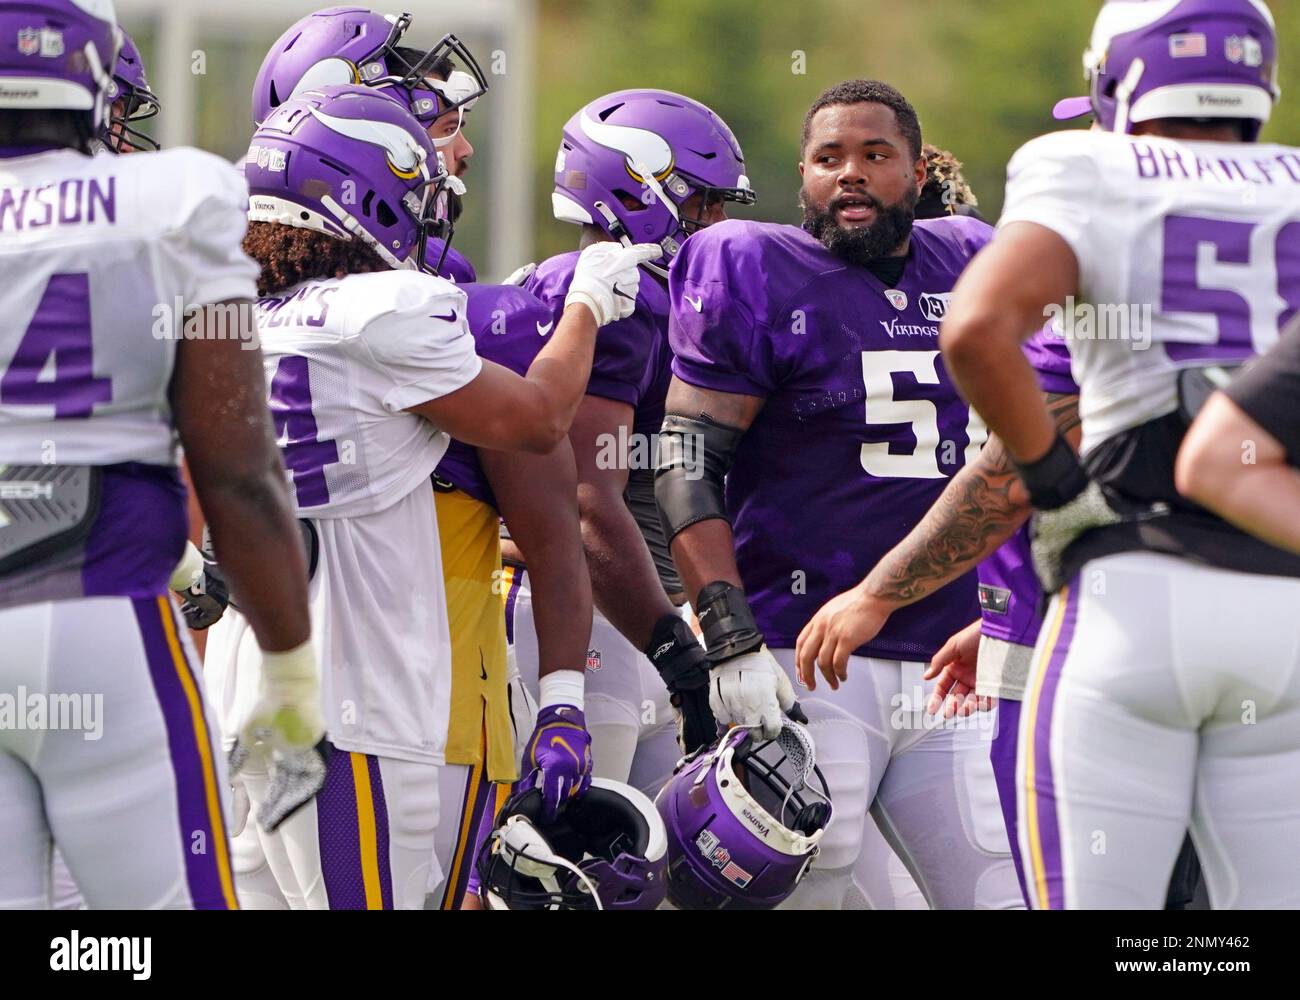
645	150
404	153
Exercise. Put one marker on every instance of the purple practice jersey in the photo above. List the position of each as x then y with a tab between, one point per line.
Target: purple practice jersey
861	427
510	328
621	369
632	365
1008	588
455	265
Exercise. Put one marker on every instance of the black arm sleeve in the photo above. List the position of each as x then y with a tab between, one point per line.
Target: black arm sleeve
1269	392
694	457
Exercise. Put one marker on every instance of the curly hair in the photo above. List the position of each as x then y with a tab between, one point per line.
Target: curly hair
288	255
943	174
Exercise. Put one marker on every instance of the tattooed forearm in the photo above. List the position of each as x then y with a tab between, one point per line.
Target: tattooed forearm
982	506
973	516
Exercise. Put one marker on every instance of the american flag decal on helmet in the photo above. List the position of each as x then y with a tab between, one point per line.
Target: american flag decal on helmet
720	858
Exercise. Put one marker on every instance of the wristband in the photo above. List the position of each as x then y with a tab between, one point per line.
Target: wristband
727	622
583	299
187	573
561	687
290	666
1056	478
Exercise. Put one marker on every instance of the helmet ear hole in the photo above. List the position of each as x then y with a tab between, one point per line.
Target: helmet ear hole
385	215
629	201
812	817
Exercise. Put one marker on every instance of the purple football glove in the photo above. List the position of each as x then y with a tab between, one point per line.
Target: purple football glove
559	756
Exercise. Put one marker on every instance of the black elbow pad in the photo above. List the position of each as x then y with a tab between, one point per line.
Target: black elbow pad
694	457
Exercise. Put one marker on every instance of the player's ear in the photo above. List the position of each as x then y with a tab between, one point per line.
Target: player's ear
920	172
801	168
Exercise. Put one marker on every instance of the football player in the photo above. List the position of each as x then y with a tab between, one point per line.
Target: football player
439	85
655	166
1142	711
818	394
133	102
369	373
495	720
1257	416
83	583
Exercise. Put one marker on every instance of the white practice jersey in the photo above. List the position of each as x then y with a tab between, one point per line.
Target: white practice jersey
1189	255
344	359
100	257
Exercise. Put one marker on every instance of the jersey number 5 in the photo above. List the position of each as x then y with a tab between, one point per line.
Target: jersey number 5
1190	242
878	369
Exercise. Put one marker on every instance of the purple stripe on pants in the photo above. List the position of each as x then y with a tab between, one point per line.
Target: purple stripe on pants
202	868
511	595
338	831
482	824
1003	755
1049	832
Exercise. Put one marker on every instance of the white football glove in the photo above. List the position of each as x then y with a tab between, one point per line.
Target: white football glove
520	274
287	723
751	690
607	278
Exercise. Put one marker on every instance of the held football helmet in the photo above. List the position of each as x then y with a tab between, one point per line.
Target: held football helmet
629	160
605	851
1179	59
743	820
59	54
351	163
354	45
141	103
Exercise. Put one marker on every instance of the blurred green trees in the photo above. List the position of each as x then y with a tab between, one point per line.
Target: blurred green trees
983	74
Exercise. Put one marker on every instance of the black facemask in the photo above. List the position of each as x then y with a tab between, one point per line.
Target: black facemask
861	246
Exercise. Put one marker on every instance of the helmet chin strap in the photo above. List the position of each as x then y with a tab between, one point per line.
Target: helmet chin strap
349	222
1124	94
103	82
618	231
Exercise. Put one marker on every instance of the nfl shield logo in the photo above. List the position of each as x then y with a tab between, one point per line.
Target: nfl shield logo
1234	49
897	299
29	41
593	659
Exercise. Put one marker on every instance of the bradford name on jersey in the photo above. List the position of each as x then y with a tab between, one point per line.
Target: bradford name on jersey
1205	234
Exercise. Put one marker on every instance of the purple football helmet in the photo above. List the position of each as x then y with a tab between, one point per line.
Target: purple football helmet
141	103
743	821
629	160
58	54
349	162
1179	59
354	45
606	850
